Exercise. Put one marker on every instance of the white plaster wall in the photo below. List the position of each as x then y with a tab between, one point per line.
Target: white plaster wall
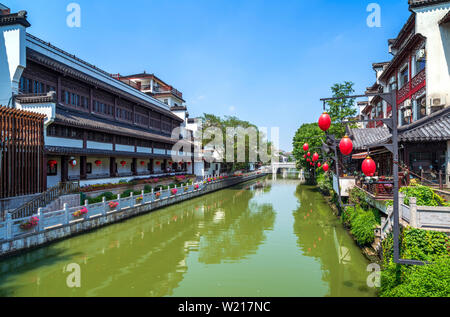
47	109
53	141
102	169
159	151
124	148
144	149
12	60
438	49
141	168
99	145
126	168
157	168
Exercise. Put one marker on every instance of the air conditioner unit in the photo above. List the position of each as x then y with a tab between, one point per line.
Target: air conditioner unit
437	101
421	54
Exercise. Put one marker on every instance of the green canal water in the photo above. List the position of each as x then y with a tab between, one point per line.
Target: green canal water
263	238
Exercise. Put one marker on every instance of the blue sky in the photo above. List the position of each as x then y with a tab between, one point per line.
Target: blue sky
268	62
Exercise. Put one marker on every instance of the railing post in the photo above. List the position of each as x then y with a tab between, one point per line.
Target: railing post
9	223
39	214
86	202
440	180
66	214
104	205
413	212
119	201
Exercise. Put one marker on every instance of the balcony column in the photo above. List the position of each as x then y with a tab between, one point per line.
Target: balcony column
447	176
151	169
134	167
64	168
83	167
112	167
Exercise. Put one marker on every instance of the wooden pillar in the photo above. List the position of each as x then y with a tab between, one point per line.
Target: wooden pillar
151	169
64	168
83	167
112	167
134	166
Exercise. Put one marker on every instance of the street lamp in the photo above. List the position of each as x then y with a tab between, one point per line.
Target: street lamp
391	123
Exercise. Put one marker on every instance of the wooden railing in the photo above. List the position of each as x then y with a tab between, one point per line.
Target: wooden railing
30	208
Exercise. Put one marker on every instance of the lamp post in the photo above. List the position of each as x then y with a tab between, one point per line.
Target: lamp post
392	124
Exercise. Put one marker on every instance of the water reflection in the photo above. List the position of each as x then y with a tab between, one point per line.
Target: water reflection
324	239
146	256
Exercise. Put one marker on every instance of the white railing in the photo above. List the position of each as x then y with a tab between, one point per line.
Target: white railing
11	228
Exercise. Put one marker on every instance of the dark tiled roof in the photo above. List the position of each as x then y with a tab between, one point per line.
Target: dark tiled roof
15	18
362	138
445	19
421	3
58	66
36	98
178	108
435	127
77	119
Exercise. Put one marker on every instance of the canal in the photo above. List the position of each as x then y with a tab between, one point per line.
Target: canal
263	238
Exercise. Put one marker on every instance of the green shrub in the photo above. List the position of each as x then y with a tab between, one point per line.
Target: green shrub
363	225
147	189
407	280
425	196
432	280
126	193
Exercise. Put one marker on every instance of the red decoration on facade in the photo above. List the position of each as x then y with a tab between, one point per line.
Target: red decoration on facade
189	163
98	162
142	163
325	167
346	145
158	162
305	147
170	163
123	163
315	157
73	163
369	167
324	122
52	163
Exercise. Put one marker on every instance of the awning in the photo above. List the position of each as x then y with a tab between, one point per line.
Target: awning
363	155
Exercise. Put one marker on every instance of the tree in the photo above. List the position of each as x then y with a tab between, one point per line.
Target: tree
308	133
340	109
212	121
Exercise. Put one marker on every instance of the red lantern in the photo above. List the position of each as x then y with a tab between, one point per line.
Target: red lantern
346	145
52	163
98	162
325	167
123	163
170	163
368	166
189	163
319	164
142	163
73	163
158	163
315	157
305	147
324	121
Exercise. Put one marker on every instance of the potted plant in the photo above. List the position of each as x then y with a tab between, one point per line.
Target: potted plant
113	204
79	213
196	186
30	224
157	195
139	199
174	191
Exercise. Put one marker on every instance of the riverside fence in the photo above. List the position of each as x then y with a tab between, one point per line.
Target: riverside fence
28	232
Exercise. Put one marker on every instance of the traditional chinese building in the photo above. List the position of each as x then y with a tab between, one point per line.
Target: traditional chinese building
98	128
419	73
